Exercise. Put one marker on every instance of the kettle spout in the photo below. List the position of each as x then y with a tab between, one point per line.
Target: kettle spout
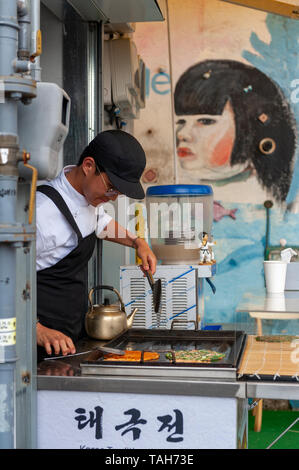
130	318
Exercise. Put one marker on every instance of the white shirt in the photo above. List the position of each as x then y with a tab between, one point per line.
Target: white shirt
55	238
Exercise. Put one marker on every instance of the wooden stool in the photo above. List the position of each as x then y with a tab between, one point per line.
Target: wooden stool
258	413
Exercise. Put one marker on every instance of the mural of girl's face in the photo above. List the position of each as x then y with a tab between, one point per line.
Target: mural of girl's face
205	143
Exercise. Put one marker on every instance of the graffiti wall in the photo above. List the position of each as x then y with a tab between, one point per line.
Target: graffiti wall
222	86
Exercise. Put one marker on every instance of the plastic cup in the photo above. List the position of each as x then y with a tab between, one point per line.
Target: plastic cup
275	276
275	302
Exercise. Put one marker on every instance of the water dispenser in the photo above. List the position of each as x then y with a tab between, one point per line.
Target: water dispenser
177	217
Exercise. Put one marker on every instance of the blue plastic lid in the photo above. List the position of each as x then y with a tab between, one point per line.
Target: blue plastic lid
180	190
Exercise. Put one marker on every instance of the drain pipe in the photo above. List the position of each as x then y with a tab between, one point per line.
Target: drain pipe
17	87
24	31
22	63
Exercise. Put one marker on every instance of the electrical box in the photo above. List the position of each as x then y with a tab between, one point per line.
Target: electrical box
125	77
43	127
179	298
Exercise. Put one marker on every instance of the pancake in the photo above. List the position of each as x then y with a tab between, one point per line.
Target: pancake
196	355
132	356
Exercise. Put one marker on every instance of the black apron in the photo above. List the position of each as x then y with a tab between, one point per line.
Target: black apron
62	289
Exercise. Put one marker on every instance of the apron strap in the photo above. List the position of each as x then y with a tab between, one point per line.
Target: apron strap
58	200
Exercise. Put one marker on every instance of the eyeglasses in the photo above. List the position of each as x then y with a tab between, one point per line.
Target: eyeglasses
110	192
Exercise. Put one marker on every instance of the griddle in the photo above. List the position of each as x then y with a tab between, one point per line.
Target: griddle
163	341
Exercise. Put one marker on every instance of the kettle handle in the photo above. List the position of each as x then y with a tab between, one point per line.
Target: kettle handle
109	288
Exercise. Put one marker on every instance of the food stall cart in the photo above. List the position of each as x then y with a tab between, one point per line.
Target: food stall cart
87	402
90	401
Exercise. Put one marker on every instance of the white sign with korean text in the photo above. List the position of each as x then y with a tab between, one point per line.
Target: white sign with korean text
82	420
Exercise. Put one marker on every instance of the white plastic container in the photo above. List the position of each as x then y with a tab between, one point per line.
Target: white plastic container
275	302
43	127
275	276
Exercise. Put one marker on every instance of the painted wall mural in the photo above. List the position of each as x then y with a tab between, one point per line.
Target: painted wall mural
279	59
233	124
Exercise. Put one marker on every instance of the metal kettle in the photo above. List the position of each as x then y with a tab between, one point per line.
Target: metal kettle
107	321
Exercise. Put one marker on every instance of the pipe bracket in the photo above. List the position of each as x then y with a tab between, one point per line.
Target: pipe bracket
17	233
15	84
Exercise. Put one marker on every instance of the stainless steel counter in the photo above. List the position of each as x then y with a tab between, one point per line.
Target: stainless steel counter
145	385
273	390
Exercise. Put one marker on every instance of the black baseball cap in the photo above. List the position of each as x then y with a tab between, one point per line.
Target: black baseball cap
122	158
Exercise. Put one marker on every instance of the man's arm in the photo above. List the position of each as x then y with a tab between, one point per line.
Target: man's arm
52	340
116	233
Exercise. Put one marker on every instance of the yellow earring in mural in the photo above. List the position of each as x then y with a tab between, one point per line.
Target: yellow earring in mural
267	146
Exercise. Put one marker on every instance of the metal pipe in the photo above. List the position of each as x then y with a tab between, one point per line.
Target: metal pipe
35	38
14	58
9	29
8	201
282	434
24	31
8	358
8	120
8	35
22	7
8	46
7	390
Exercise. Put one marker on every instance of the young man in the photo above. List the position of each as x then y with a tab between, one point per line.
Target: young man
69	217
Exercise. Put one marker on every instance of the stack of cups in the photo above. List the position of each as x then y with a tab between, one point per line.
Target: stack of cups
275	276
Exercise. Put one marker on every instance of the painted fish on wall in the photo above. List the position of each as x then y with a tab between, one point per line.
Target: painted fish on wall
219	211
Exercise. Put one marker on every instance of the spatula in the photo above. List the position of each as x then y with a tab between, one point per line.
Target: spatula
103	349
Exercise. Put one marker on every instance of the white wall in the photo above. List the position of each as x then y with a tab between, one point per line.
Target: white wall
52	47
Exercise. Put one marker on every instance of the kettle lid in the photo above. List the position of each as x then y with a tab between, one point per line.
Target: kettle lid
108	308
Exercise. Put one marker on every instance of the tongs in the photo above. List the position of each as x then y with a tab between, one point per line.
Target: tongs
156	289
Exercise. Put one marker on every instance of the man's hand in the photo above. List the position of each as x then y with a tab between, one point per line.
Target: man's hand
49	338
114	232
149	260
